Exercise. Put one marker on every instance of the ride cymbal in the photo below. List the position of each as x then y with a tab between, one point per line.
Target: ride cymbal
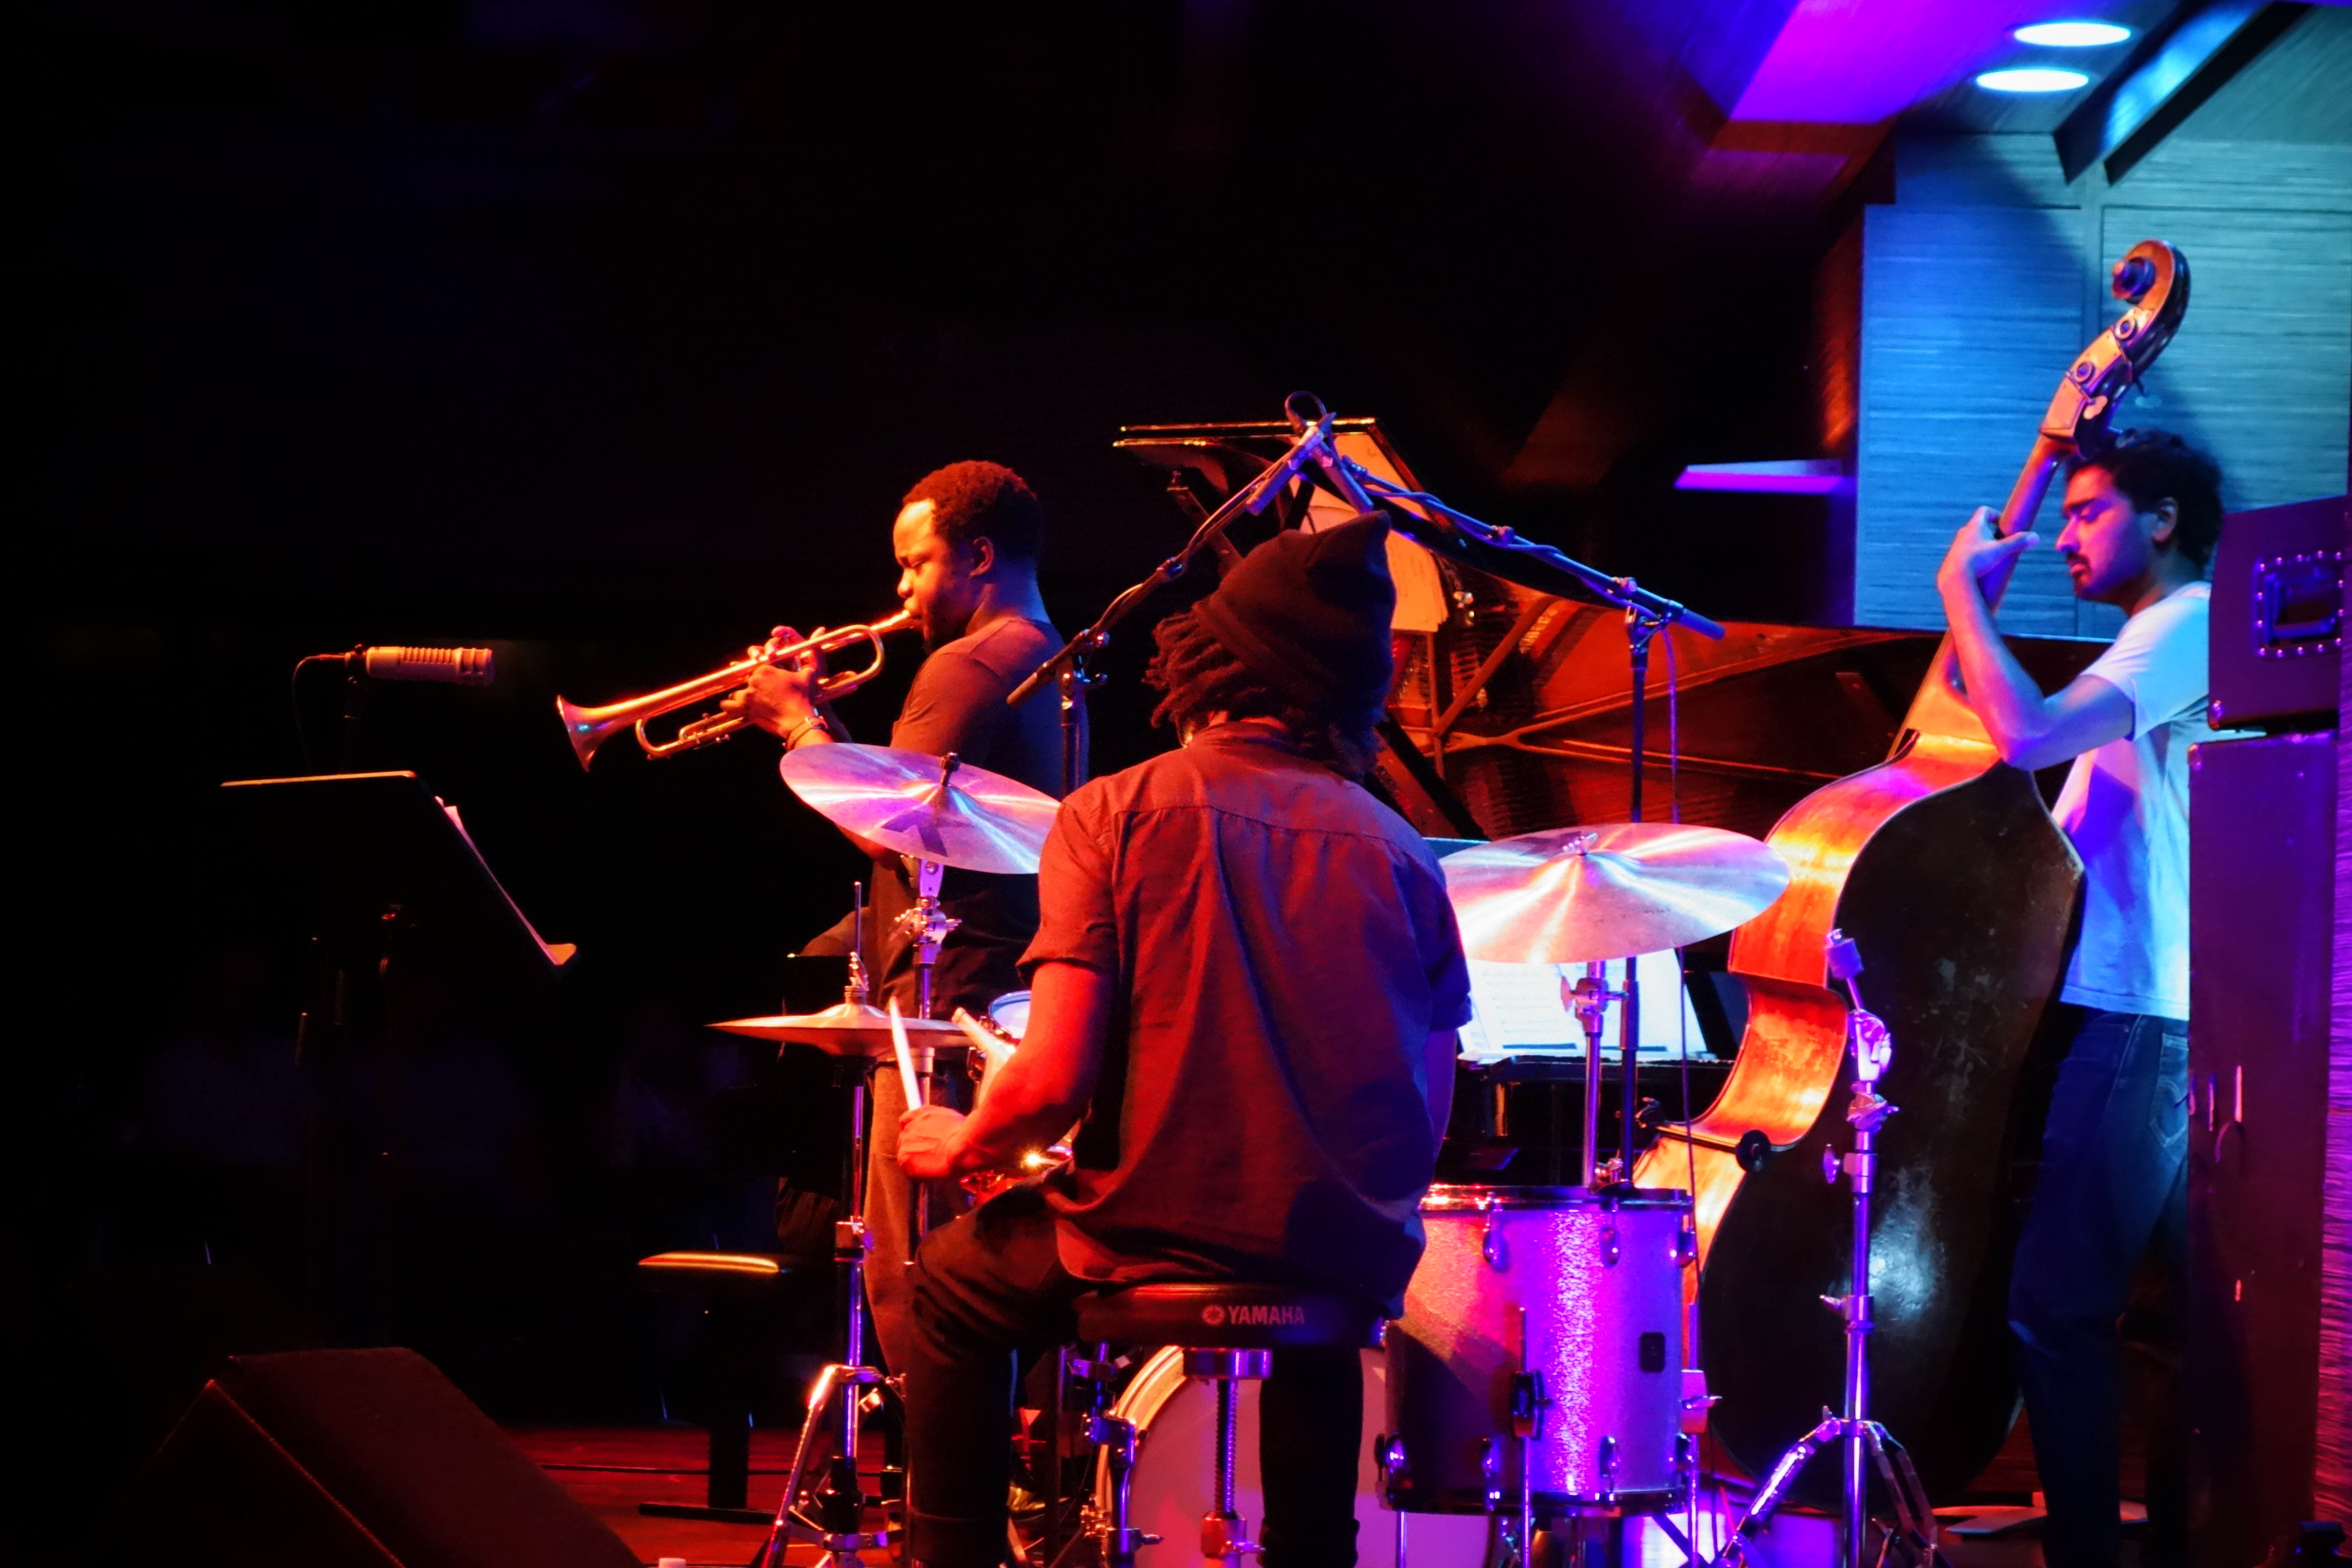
934	808
843	1029
1575	895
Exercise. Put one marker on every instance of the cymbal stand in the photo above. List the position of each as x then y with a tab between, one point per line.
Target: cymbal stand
927	924
930	926
1861	1438
1588	999
831	1513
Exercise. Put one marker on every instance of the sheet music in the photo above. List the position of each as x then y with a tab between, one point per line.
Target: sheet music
1514	1007
1517	1010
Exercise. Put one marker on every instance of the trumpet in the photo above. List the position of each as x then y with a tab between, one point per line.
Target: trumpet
588	728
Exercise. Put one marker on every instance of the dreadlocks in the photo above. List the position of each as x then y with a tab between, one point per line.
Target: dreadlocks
1199	676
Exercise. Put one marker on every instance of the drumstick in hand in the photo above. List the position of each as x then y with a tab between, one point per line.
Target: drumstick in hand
914	1085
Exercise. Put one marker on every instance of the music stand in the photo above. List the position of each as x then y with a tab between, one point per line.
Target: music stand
365	852
389	884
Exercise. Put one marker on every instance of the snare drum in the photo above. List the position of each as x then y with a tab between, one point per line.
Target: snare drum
1570	1298
996	1033
1176	1419
995	1036
1010	1012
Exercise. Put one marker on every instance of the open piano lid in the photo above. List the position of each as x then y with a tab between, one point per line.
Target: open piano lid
1514	698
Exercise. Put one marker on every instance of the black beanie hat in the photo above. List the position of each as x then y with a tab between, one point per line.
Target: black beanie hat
1309	613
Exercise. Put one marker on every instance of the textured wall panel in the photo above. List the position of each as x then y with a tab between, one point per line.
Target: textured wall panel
1969	315
2260	374
2004	171
2268	175
1971	309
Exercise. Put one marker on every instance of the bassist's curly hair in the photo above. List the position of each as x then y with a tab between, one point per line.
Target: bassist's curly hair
2151	467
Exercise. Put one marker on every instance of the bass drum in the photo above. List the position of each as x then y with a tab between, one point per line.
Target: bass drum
1176	1420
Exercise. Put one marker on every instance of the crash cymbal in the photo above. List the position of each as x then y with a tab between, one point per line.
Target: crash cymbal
977	820
1573	895
845	1029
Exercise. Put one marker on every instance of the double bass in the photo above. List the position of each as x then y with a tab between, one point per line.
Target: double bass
1943	863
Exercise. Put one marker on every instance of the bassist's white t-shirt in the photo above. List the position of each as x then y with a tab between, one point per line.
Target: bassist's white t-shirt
2125	806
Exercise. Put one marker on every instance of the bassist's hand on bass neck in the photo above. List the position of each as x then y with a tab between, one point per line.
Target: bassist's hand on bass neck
1978	565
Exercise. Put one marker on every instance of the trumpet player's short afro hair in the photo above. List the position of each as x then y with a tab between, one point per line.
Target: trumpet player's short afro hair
983	501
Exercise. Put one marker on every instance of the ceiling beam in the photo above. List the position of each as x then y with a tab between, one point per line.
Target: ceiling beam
2168	78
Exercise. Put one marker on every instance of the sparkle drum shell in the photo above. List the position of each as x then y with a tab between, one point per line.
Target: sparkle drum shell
1584	1290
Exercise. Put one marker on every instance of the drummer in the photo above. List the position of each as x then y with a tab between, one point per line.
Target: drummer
967	538
1249	980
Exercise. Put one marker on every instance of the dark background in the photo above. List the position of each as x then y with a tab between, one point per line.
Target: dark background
609	335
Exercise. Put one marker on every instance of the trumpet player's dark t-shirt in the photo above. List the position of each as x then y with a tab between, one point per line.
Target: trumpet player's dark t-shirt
1282	948
956	704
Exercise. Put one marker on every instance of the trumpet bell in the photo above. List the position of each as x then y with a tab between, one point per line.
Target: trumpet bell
588	728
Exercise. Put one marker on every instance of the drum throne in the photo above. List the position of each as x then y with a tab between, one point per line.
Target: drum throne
1229	1331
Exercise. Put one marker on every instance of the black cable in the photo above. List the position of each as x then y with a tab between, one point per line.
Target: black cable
294	695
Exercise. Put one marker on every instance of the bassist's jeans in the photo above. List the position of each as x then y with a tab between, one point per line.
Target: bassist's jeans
2113	1193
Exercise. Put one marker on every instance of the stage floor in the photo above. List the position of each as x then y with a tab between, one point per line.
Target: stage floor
612	1469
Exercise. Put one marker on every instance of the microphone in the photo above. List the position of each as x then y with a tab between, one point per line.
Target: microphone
1310	443
453	666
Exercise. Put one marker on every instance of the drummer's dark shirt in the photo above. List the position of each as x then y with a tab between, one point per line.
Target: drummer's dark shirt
1283	948
956	704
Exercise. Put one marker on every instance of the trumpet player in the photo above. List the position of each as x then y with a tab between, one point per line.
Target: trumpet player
967	538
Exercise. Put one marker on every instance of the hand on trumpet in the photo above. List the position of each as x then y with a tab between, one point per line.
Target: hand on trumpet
782	698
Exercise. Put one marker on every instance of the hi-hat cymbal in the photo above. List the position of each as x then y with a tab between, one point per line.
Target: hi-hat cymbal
975	819
1574	895
845	1029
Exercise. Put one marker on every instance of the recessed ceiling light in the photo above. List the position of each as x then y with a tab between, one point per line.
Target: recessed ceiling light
2072	35
2032	79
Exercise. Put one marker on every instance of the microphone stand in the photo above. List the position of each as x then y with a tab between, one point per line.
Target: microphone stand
1646	614
1067	668
1071	686
1913	1540
1594	584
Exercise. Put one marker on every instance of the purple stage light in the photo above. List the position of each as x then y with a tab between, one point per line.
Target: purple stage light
1796	477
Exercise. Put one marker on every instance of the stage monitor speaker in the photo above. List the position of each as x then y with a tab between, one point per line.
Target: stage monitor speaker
2261	858
366	1458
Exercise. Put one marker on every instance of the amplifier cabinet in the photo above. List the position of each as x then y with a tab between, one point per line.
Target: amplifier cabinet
2277	630
2262	832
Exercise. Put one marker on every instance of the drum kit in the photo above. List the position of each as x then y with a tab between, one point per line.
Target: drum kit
1538	1376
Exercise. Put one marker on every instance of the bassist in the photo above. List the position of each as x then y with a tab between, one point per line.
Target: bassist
2142	515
